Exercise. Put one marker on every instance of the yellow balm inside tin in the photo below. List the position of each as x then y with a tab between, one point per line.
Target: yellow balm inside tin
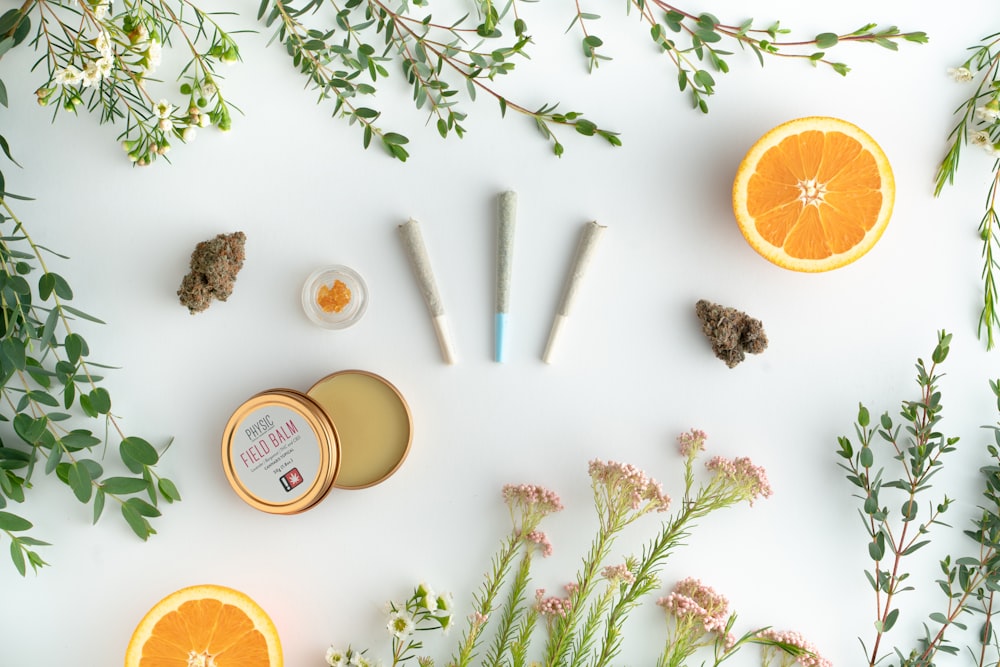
373	423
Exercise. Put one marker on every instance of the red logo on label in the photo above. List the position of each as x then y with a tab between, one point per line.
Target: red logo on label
291	479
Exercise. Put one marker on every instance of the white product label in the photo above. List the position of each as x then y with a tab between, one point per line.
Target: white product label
276	454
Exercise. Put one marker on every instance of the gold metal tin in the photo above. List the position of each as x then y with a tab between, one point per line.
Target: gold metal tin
281	452
374	424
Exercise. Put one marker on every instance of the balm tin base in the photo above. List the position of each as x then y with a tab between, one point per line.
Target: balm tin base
284	450
373	422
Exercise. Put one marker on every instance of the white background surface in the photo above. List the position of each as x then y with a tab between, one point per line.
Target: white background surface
633	369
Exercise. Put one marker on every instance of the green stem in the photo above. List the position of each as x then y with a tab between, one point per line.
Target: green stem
486	601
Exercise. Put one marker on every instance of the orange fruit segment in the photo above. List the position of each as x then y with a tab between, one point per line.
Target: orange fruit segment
205	626
814	194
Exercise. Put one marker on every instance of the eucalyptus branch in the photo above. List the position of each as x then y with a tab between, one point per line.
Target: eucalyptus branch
692	42
918	448
48	384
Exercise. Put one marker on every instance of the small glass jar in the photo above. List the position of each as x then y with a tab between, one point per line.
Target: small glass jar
335	297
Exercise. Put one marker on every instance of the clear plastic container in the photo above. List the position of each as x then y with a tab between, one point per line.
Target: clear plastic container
335	297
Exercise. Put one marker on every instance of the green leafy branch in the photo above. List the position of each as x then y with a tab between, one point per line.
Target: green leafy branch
968	581
979	125
345	60
96	58
918	448
48	384
693	42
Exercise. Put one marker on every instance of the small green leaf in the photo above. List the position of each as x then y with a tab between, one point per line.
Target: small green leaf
99	499
79	313
826	40
76	347
18	557
704	79
100	400
13	522
123	485
865	457
136	522
168	490
138	450
13	352
142	507
79	480
864	418
890	620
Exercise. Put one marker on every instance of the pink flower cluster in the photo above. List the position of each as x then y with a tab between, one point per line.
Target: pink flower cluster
629	480
542	540
752	479
811	658
618	573
552	606
692	600
691	442
531	497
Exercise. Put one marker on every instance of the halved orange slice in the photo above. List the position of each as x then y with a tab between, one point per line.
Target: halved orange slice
205	626
814	194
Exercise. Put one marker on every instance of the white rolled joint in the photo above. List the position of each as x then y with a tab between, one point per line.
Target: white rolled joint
589	236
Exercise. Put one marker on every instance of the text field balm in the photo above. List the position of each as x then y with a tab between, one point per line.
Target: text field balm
282	450
373	422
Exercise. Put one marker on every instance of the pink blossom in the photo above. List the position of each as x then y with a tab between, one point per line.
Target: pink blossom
811	657
626	479
531	498
542	540
691	442
552	606
692	600
749	478
618	573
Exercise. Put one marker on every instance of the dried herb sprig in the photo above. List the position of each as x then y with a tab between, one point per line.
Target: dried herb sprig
979	125
918	449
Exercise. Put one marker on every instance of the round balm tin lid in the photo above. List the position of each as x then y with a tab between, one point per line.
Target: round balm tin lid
374	425
281	452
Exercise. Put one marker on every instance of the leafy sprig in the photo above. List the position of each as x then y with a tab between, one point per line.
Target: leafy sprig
967	580
104	61
979	125
48	387
444	63
103	58
694	43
